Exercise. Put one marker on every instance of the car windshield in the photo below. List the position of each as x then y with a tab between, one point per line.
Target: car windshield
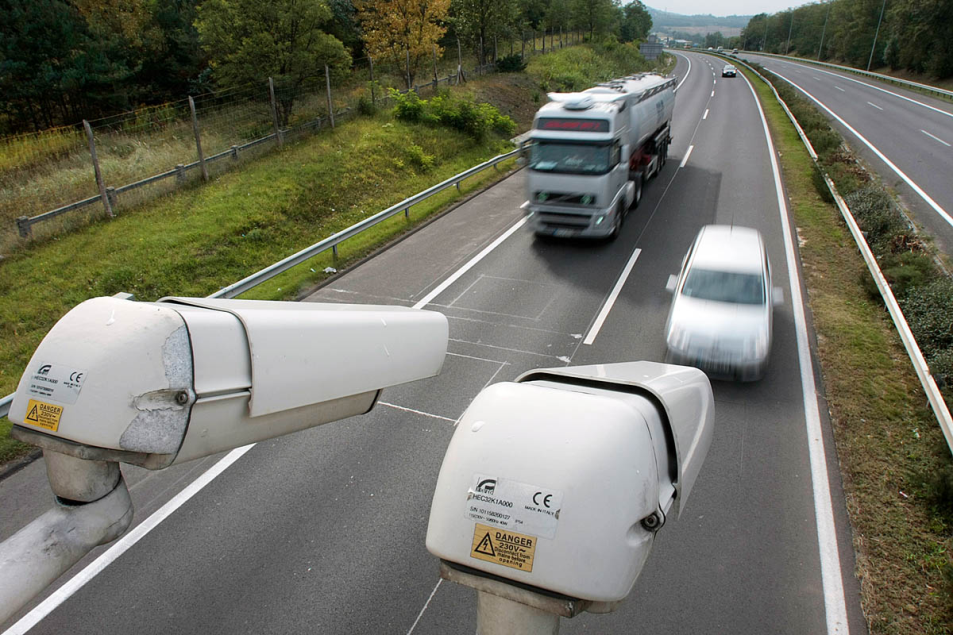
570	158
723	286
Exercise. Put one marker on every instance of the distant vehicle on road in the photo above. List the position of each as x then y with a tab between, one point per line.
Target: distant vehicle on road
734	52
729	71
722	311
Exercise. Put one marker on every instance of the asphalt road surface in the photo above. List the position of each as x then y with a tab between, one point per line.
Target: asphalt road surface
905	136
323	531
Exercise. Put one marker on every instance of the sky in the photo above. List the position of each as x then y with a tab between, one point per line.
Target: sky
723	7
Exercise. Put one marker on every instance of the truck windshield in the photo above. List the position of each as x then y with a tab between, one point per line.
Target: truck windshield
570	158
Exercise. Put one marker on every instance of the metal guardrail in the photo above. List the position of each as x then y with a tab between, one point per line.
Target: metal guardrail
331	242
930	388
946	94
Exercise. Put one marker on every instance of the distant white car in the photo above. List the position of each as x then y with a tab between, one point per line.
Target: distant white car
729	71
722	311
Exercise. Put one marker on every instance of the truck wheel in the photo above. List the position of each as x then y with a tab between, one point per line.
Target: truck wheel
638	191
663	155
617	225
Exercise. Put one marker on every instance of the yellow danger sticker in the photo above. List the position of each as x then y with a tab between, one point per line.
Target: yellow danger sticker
43	415
507	548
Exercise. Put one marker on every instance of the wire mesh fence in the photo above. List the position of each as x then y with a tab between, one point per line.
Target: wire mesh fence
48	181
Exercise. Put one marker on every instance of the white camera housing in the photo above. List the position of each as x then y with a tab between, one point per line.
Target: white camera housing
159	383
560	480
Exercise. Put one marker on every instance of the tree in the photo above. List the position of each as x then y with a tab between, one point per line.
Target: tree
482	20
594	15
250	40
399	30
636	22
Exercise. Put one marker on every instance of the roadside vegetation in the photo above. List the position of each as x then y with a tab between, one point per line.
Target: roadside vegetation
894	460
203	237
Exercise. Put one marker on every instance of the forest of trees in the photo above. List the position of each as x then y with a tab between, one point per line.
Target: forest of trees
915	35
65	60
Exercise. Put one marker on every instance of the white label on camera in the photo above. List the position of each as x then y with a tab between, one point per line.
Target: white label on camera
513	505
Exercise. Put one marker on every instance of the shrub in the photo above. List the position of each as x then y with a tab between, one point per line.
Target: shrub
510	64
878	216
419	158
408	106
906	270
475	120
365	105
941	367
929	312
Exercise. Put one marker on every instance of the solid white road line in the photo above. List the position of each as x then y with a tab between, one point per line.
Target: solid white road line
712	93
421	614
835	604
936	138
687	73
916	188
688	153
465	268
416	412
93	569
874	105
705	116
604	313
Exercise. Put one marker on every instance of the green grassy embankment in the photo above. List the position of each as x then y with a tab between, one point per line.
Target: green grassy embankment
889	445
198	239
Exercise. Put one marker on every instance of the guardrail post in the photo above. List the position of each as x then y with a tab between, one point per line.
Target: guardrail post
180	173
407	212
24	227
96	171
198	139
274	112
327	80
111	195
234	153
334	250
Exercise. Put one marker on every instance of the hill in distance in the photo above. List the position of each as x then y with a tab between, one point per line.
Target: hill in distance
670	23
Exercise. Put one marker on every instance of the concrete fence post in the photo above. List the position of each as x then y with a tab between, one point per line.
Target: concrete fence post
198	139
180	173
327	81
274	112
96	171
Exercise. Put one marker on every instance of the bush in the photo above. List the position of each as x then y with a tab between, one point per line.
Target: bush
904	271
475	120
419	158
929	312
878	216
510	64
941	367
408	106
365	105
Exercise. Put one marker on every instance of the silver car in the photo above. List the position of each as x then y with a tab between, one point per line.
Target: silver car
721	315
729	71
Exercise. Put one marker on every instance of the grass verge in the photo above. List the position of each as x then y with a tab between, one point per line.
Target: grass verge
888	443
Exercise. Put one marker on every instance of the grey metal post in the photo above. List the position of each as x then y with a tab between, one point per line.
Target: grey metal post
198	139
24	227
459	58
498	616
180	173
824	30
787	48
409	81
876	35
327	81
96	171
274	112
435	80
234	153
370	61
100	510
111	195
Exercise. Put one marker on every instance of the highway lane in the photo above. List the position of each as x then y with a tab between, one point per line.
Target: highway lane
906	137
324	530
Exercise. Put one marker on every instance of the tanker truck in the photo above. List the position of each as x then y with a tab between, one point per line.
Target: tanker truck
589	154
